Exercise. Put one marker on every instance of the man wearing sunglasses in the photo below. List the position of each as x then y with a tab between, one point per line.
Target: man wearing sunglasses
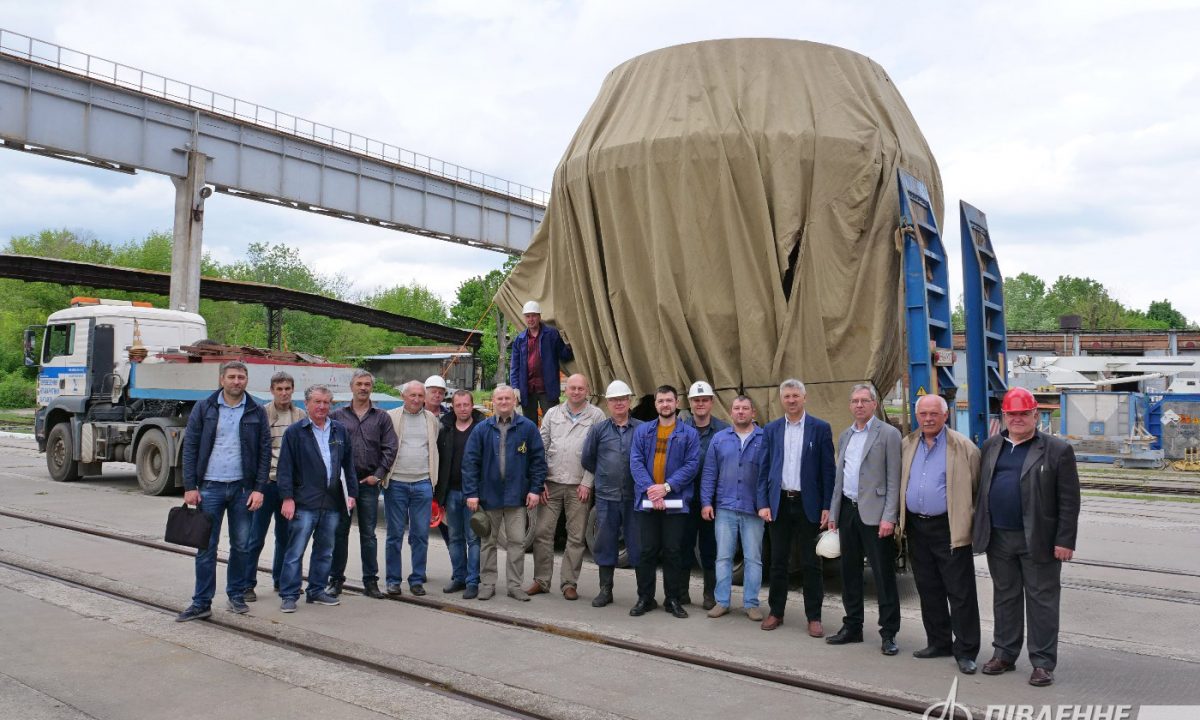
1026	519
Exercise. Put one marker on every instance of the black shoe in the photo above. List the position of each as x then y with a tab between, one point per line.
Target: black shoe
710	584
394	589
845	636
930	652
371	590
237	606
642	607
603	598
335	587
471	592
998	666
193	613
249	596
454	586
418	589
675	608
888	647
966	666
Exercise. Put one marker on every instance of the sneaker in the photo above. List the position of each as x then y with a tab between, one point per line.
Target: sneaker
288	605
754	614
322	598
335	587
454	586
249	596
487	592
394	589
237	606
471	592
193	613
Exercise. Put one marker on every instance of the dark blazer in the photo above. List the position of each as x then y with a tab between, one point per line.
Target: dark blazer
201	433
817	467
1049	496
445	443
301	473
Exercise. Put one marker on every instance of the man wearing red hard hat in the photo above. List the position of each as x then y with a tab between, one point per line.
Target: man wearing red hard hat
1026	520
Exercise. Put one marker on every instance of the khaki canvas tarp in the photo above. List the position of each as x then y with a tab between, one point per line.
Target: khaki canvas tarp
727	211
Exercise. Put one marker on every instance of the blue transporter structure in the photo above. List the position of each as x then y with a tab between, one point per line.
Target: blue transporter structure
987	344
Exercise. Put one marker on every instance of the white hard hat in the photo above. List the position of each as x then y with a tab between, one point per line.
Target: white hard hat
531	307
700	389
436	381
617	389
829	545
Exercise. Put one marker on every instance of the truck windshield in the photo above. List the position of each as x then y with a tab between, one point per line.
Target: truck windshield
60	340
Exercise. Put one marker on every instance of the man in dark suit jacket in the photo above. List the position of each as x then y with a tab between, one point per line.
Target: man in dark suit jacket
1026	520
799	469
865	509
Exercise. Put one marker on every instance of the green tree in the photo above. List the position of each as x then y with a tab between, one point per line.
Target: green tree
1163	311
474	299
1025	304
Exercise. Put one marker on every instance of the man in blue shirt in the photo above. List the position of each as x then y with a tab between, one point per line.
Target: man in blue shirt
226	465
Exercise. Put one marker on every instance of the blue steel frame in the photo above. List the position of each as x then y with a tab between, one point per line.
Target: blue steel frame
983	305
926	296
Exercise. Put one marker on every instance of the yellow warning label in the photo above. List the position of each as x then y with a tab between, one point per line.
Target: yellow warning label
921	391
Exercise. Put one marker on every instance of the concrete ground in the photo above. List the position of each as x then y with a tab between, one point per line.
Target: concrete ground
1128	631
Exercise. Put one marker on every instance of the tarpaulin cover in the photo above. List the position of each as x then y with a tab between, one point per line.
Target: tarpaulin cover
727	211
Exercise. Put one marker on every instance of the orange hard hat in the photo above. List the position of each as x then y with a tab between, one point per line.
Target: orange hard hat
436	514
1018	400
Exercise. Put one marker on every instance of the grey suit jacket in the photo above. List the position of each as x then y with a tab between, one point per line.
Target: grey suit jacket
878	477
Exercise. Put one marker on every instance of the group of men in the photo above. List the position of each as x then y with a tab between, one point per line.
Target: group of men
664	486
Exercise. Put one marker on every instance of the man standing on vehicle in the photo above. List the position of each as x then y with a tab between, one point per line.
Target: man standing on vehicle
462	544
800	470
373	441
568	489
408	492
700	401
664	458
226	463
733	492
1026	520
281	413
504	470
866	507
537	354
605	454
317	483
939	477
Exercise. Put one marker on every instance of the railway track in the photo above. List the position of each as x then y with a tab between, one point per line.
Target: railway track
916	706
1180	489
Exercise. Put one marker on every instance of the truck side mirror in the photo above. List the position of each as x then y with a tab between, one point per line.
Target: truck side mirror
31	359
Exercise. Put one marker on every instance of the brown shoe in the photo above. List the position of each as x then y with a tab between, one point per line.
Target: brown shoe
771	622
535	589
1041	677
997	665
570	593
815	629
755	614
717	611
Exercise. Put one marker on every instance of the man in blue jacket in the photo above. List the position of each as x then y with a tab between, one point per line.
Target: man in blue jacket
318	484
537	354
799	471
733	492
226	464
503	472
664	458
700	401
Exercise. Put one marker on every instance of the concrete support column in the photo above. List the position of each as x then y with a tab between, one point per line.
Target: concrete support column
187	249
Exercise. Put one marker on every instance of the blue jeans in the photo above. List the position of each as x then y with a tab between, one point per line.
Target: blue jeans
463	544
321	526
614	519
367	508
729	525
408	507
260	522
217	499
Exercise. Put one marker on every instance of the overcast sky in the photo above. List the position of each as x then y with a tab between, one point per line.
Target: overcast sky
1074	125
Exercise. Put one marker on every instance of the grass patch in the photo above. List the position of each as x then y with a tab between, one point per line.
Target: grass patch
1140	496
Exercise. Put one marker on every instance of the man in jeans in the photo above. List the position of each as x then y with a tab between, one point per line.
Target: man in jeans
281	414
408	491
373	440
733	493
463	544
226	462
316	482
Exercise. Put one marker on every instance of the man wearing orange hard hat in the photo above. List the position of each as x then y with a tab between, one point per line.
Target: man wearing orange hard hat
1026	520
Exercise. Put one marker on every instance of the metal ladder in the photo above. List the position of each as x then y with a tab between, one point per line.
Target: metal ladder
983	305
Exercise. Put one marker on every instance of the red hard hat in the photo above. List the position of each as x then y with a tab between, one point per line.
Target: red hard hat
436	514
1018	400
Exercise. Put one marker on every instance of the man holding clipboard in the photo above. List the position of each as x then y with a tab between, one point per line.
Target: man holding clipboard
664	459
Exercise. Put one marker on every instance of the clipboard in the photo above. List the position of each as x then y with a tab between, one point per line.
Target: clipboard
671	503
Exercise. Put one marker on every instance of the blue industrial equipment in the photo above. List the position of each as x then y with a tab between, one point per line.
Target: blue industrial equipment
926	298
983	306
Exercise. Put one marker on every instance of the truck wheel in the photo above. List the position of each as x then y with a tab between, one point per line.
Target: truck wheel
58	454
154	465
589	538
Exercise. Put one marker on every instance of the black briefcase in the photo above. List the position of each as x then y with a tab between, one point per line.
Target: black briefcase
188	526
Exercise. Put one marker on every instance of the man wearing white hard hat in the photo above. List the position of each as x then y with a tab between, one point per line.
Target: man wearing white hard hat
700	402
605	454
435	393
537	354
